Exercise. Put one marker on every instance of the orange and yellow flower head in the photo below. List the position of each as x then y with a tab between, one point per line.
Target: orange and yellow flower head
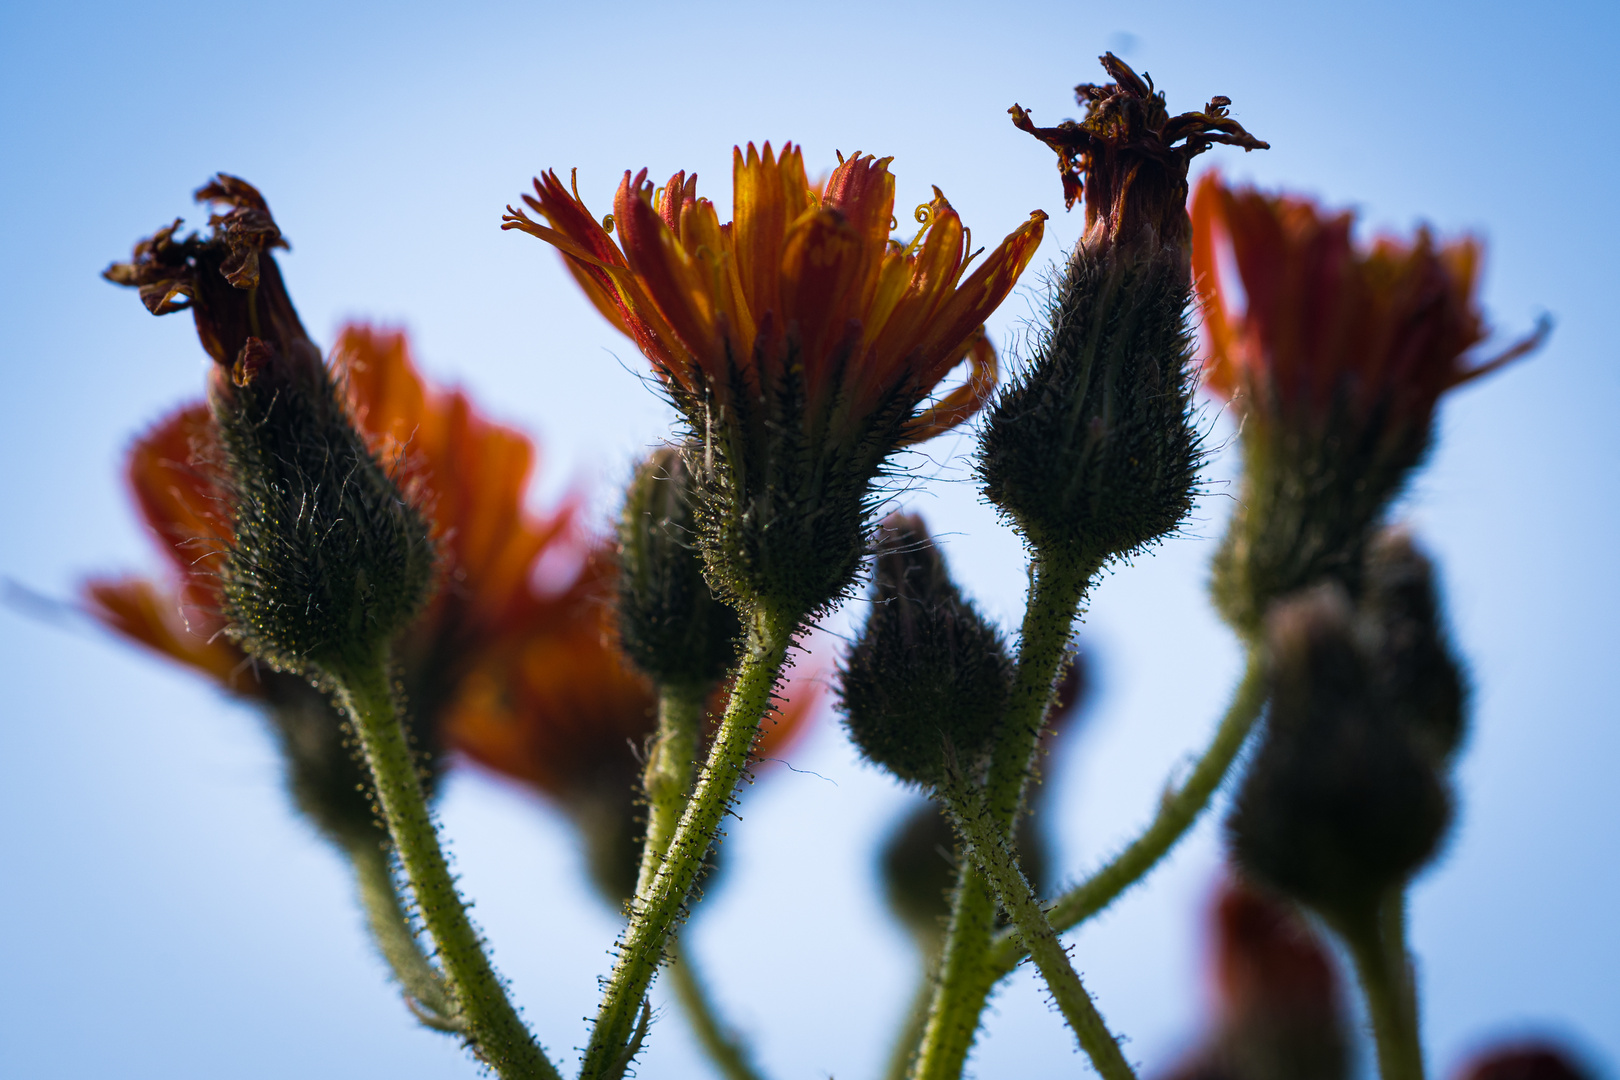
799	341
1336	354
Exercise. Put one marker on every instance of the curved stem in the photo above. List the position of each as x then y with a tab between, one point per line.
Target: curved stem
986	844
725	1049
492	1024
396	939
1378	947
966	976
668	775
641	947
1177	812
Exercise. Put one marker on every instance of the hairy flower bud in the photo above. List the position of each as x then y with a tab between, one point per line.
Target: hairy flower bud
328	560
1092	450
670	624
1343	801
929	678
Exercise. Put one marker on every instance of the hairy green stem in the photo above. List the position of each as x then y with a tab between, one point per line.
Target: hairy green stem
668	775
1177	812
966	977
641	947
725	1049
985	843
1377	944
904	1052
396	939
492	1025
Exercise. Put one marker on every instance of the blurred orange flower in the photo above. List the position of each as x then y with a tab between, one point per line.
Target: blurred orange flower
804	277
1316	324
522	676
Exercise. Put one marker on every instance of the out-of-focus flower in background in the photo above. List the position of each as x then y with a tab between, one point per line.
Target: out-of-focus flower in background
1335	355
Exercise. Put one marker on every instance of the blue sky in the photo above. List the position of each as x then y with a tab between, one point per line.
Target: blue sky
161	911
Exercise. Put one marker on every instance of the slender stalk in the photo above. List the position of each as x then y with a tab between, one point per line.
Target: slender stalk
1177	812
725	1049
641	947
966	975
986	845
911	1032
396	939
492	1025
668	775
1378	946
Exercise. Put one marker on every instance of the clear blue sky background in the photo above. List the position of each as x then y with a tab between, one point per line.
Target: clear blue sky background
162	914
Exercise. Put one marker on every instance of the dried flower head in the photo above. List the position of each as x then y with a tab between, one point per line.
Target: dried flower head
1129	157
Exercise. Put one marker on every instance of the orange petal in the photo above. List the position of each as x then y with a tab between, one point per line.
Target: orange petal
142	612
973	301
821	264
960	404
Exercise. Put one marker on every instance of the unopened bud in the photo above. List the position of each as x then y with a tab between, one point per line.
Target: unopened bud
1342	802
1403	628
670	624
928	679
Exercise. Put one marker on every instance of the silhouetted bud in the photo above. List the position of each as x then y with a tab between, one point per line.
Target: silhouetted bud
929	678
799	342
1401	624
1092	449
670	624
1342	802
1525	1061
328	560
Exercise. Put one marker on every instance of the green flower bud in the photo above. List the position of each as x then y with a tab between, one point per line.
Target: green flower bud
670	624
328	560
929	678
1343	801
1092	450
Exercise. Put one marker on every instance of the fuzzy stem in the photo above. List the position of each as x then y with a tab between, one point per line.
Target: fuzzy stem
492	1025
396	939
986	844
1177	812
1056	589
728	1053
1377	944
641	947
911	1032
668	775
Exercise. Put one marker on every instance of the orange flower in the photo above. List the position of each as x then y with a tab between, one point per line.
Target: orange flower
1328	325
803	276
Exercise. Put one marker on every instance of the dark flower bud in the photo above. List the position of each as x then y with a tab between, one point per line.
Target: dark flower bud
1342	802
929	677
1092	449
1525	1061
1403	628
670	624
328	561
